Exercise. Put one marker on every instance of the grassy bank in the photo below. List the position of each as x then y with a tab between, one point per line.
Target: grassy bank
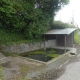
8	38
1	73
76	37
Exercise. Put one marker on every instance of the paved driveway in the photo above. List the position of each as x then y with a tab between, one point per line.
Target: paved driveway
72	71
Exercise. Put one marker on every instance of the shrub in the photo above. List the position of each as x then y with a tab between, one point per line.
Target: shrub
76	37
61	25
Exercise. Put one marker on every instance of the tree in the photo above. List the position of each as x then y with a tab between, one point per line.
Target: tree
61	25
6	11
29	17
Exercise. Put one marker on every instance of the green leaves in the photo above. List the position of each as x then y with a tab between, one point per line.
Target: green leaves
29	17
61	25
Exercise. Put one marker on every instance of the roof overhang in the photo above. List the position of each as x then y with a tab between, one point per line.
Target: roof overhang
66	31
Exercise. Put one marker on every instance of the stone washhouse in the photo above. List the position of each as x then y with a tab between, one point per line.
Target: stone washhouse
64	38
56	38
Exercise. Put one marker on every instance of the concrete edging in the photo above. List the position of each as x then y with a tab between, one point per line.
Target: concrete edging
63	55
51	61
53	64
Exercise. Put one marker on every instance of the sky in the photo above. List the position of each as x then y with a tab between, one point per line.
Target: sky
69	11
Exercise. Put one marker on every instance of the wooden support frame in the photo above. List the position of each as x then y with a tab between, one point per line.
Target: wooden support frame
65	43
56	41
44	43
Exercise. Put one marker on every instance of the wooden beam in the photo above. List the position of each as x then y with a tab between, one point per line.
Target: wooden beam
65	43
73	39
44	43
56	41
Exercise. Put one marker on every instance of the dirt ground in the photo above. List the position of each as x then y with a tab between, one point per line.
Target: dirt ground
19	68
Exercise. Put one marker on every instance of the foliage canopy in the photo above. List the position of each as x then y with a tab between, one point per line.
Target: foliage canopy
29	17
61	25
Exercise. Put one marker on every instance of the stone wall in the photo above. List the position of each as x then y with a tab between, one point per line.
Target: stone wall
22	48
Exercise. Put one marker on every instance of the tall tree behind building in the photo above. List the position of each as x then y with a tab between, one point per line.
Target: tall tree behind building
29	17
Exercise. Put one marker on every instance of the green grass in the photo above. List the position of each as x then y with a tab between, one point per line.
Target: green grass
53	55
41	51
52	51
76	37
7	38
1	73
11	54
10	38
25	54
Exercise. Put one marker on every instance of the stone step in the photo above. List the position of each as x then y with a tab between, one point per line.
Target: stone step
73	51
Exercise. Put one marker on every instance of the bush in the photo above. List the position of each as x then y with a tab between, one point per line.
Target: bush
76	37
61	25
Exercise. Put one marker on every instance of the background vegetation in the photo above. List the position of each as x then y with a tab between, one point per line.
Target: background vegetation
27	19
76	37
61	25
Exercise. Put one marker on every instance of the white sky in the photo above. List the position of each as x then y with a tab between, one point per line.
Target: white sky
66	13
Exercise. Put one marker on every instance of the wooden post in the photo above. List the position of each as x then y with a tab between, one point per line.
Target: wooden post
73	39
44	43
56	41
65	43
